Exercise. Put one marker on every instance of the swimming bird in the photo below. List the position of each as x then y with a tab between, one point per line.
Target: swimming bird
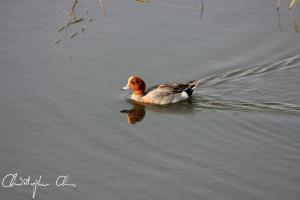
160	94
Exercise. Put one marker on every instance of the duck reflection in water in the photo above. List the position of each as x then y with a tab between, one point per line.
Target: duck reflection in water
138	112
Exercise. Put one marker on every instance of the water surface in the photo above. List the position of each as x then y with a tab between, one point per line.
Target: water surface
237	138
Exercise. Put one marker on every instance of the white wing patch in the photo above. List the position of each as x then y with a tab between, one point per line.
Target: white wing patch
181	96
184	95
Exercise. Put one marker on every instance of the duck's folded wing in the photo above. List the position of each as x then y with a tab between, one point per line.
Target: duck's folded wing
170	93
175	88
167	89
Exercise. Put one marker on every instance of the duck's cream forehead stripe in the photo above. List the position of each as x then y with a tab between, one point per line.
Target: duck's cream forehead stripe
130	78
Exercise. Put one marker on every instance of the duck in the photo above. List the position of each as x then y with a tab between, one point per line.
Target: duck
160	94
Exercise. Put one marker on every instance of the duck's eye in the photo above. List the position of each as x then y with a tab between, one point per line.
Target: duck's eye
133	82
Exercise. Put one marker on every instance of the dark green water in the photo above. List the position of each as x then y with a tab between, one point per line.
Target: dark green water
238	138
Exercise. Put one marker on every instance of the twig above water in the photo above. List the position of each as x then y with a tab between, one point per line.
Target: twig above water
101	6
57	41
69	22
142	1
72	19
292	4
201	8
279	20
72	12
295	24
292	15
73	35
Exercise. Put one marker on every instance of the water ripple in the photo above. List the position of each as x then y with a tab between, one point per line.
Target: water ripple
243	72
205	97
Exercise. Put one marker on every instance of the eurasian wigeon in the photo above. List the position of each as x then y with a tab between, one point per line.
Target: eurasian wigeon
160	94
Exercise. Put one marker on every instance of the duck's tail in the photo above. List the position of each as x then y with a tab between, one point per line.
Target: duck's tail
191	86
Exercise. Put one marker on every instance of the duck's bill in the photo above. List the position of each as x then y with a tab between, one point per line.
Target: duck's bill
125	87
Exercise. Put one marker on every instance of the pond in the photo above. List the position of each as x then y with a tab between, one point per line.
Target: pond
62	111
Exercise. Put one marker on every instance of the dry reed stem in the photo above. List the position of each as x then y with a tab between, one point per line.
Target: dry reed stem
73	35
101	6
73	19
292	4
201	8
295	24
